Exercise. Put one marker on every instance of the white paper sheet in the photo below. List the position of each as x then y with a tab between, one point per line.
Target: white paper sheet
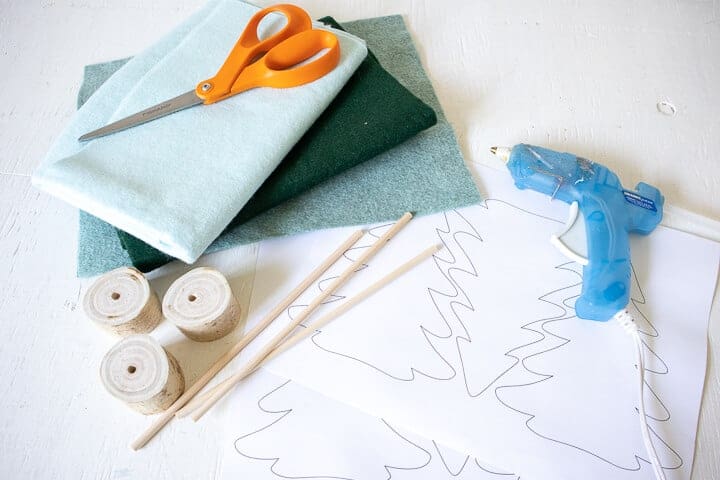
479	348
284	430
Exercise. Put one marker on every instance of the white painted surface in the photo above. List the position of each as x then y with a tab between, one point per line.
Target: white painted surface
585	77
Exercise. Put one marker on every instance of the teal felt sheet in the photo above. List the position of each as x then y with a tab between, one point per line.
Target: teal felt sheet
424	175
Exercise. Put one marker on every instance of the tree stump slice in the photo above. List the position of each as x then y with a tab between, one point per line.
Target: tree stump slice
141	373
202	305
122	302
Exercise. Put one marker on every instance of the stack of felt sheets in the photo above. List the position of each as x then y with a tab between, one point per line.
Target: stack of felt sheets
380	147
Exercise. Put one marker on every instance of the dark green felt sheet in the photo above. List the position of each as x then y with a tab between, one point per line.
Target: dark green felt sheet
425	174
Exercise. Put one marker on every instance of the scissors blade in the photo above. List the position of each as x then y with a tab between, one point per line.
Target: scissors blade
181	102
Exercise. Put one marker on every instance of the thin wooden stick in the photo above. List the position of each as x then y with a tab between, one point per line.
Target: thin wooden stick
277	339
168	414
199	399
319	323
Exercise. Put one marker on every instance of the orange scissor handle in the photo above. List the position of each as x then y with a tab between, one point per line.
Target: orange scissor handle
249	47
286	65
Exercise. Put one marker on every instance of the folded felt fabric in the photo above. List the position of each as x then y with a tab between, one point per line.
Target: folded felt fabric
425	174
370	115
178	181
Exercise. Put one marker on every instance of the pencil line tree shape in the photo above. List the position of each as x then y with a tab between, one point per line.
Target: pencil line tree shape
403	325
486	344
305	435
535	345
575	363
311	436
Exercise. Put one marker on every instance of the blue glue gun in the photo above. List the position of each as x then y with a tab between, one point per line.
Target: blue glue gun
609	211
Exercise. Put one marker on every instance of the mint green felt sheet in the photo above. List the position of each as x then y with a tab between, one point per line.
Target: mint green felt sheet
424	175
177	182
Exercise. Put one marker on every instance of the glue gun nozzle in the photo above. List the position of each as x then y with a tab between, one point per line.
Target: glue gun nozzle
502	152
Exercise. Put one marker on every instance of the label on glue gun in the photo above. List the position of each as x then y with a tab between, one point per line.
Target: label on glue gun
639	200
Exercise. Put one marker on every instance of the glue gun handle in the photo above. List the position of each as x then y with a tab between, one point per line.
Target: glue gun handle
606	278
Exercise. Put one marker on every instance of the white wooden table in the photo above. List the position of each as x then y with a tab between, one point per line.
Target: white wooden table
633	85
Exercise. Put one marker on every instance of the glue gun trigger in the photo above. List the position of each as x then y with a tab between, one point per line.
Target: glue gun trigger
574	232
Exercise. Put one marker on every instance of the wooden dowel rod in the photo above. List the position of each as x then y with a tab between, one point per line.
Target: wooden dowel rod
167	415
199	399
277	339
320	323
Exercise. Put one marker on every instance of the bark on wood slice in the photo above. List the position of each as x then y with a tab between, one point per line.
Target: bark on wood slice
141	373
121	301
201	304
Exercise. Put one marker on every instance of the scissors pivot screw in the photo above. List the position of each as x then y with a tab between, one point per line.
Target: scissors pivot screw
206	87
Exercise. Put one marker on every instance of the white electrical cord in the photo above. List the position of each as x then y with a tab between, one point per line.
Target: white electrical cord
627	321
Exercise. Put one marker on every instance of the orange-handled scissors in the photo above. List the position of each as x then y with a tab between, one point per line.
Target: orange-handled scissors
276	61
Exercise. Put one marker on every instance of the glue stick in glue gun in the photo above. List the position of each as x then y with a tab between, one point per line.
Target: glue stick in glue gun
609	212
